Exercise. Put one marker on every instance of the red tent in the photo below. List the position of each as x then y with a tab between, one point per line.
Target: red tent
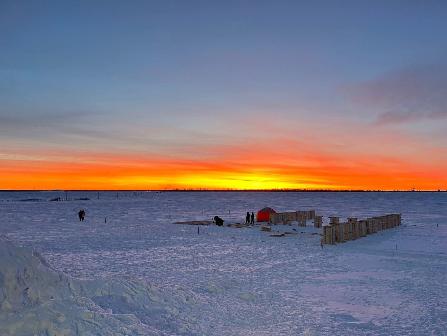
263	215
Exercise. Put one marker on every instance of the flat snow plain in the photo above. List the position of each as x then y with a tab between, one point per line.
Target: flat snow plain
228	281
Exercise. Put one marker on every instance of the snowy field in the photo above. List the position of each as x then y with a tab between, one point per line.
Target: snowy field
136	273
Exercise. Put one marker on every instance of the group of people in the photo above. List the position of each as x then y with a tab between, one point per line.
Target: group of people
250	219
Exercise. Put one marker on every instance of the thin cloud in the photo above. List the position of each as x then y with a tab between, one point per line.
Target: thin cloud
408	95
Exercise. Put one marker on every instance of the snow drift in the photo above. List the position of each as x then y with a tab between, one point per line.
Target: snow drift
36	300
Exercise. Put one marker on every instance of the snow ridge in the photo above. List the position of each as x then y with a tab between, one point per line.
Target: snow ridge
36	300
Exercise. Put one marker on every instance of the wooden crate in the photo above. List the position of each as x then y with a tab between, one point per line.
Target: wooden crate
318	221
334	220
347	231
362	228
328	235
353	227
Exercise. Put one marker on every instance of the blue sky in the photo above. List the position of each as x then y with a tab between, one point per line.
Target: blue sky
168	76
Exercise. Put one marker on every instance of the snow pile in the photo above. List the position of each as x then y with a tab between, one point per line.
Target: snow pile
36	300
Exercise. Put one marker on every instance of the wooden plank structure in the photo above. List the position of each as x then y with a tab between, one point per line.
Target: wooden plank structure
292	216
353	227
334	220
318	222
362	228
346	231
282	217
311	214
327	235
203	222
337	232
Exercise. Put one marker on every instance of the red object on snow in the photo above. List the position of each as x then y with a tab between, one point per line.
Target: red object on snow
263	215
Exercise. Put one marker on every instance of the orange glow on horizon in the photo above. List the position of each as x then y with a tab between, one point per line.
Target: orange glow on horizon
60	170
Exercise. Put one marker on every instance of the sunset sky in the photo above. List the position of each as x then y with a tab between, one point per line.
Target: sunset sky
223	94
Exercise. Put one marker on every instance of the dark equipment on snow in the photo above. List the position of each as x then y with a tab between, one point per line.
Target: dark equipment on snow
219	221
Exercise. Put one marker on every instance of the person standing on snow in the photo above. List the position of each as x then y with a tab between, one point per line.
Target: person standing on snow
252	221
247	218
81	215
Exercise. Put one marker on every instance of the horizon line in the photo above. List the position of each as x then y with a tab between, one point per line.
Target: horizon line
224	190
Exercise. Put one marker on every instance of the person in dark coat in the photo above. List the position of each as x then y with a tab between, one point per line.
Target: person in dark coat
252	221
81	215
247	218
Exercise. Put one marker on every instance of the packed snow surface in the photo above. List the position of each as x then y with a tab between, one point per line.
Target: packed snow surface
127	270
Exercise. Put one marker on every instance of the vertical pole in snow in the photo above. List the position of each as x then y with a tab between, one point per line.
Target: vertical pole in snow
98	194
198	230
